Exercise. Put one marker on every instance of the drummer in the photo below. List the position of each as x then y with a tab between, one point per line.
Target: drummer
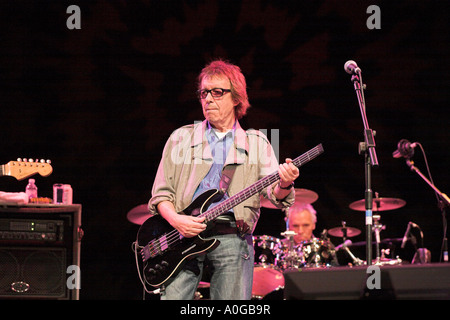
302	219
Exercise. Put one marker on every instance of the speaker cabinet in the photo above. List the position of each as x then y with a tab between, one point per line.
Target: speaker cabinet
38	244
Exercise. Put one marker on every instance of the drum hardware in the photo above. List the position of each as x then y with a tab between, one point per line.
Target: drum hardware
290	236
376	228
379	204
381	260
344	231
267	276
316	253
356	261
290	258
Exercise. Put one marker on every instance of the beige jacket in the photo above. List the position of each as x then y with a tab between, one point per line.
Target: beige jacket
187	158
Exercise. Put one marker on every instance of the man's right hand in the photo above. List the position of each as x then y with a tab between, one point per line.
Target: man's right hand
188	226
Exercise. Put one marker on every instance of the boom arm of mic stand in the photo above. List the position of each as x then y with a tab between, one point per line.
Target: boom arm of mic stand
369	140
443	204
443	196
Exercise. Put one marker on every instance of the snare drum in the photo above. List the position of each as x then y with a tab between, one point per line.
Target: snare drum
267	277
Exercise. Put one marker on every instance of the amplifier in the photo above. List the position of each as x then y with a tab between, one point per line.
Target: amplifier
38	243
31	230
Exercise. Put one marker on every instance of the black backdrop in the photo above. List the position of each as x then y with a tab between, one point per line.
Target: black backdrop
100	102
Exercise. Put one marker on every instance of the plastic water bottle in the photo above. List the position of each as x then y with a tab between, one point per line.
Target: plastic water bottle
31	189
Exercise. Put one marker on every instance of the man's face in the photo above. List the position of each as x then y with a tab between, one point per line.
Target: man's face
301	223
218	111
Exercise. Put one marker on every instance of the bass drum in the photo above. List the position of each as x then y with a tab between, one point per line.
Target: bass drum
267	277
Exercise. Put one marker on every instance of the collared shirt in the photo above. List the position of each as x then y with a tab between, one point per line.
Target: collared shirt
187	159
219	147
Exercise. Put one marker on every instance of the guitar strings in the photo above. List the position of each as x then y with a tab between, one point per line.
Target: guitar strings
175	236
154	246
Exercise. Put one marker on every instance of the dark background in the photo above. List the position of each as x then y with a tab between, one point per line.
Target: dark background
100	103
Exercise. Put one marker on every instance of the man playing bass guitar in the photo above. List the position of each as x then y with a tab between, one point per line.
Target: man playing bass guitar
218	154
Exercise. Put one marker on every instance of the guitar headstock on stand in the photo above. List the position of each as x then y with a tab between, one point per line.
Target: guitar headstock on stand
24	168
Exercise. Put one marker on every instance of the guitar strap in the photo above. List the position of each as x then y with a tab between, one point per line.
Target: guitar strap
227	176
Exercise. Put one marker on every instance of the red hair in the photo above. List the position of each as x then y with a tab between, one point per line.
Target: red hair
220	68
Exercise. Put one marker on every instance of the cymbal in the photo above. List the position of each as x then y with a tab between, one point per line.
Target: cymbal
339	232
139	214
301	196
379	204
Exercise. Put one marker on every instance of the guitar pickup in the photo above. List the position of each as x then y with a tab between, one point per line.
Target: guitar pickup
154	248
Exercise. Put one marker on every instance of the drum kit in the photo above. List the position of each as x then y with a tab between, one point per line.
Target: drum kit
275	256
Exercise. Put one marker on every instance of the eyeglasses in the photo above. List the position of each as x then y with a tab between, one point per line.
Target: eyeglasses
215	92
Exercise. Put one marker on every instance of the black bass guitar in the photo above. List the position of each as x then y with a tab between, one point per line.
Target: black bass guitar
164	250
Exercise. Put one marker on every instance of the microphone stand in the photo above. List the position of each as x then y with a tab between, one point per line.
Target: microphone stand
444	198
444	202
368	148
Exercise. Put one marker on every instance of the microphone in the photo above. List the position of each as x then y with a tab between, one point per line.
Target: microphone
343	245
351	67
405	149
405	237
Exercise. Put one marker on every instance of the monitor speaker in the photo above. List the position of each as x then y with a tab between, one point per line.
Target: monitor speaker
397	282
39	245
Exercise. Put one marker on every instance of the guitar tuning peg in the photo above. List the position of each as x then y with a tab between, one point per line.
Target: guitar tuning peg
30	160
24	160
19	159
42	161
49	161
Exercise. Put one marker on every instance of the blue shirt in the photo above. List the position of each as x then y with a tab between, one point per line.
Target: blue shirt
219	150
